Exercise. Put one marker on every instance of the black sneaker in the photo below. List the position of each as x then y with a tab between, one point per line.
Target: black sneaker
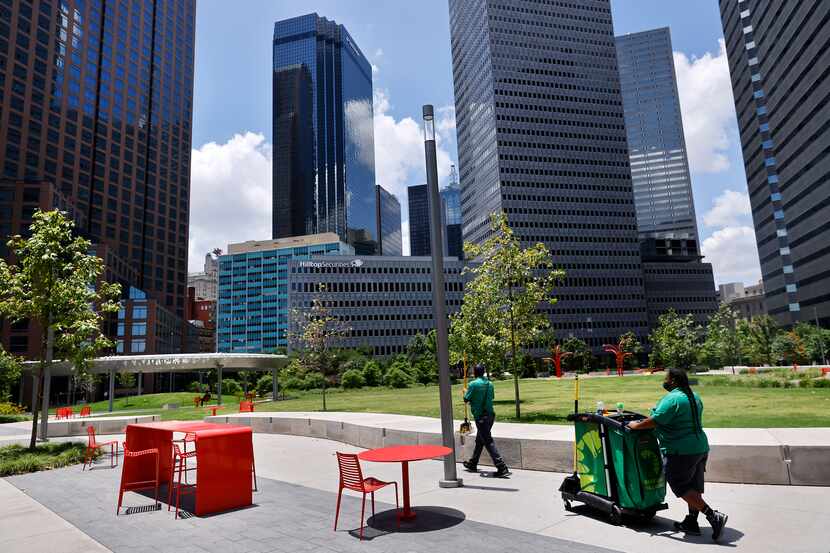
471	467
502	472
718	521
688	526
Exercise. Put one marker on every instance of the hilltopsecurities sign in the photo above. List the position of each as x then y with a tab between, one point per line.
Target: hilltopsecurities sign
355	263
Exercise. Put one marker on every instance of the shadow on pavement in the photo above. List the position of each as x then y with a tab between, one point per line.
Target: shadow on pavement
490	488
428	519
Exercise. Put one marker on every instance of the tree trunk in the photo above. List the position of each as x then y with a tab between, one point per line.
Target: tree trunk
36	387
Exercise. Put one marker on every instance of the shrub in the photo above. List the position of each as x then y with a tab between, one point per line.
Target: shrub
397	377
264	385
196	389
313	381
231	386
7	408
352	379
291	382
372	374
16	459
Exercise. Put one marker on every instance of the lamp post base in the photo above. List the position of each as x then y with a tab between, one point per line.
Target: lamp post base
457	483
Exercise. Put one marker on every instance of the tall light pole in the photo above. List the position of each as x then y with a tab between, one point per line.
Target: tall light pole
439	306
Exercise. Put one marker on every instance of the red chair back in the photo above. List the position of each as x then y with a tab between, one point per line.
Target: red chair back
351	477
246	406
86	411
90	432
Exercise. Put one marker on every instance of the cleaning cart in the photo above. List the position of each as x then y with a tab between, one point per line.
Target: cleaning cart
616	470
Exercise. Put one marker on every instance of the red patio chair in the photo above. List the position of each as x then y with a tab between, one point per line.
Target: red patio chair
197	401
180	467
130	457
246	406
351	478
93	445
86	411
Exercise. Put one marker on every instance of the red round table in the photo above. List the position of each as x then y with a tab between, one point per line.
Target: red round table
403	454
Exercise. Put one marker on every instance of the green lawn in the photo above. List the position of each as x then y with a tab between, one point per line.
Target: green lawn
543	401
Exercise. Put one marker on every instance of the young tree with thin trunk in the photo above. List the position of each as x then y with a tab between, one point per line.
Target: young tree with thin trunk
56	284
502	301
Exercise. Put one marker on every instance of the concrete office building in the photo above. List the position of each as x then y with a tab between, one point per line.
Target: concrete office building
541	138
97	103
252	313
675	277
204	282
778	53
383	300
389	222
748	301
324	157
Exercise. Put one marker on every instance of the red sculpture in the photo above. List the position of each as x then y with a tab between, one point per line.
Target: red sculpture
619	355
558	355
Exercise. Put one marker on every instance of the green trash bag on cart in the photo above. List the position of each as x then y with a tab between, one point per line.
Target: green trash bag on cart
638	465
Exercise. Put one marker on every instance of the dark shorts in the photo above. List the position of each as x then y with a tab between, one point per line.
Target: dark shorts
685	473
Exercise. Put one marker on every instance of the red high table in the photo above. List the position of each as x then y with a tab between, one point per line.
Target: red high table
224	459
404	454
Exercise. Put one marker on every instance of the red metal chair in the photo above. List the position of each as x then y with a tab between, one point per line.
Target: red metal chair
93	445
197	401
130	458
180	467
351	478
86	411
246	406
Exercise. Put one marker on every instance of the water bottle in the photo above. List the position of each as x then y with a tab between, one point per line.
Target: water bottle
600	408
620	407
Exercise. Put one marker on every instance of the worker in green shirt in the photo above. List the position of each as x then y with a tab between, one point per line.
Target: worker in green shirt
677	421
479	394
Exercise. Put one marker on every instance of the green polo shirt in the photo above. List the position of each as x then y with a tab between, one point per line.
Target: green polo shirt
675	427
480	395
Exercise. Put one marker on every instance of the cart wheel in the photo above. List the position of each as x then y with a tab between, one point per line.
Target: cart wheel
616	515
647	515
568	506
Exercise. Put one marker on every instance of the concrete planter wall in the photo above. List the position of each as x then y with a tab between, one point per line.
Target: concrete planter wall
102	425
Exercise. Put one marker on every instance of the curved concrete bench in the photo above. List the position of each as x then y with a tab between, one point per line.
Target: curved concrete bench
102	425
787	456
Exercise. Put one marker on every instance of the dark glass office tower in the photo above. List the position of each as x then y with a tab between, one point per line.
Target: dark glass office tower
656	144
675	277
96	98
324	159
779	52
541	137
419	234
389	222
451	205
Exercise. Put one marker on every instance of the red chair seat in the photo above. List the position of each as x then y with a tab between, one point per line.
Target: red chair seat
373	484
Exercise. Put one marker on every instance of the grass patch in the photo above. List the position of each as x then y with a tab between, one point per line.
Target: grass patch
14	418
15	459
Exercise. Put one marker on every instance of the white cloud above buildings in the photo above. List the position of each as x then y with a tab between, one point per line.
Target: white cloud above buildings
708	109
731	247
729	209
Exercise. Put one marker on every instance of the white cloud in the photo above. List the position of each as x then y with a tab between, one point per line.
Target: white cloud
730	208
708	109
405	237
733	254
230	194
375	69
379	53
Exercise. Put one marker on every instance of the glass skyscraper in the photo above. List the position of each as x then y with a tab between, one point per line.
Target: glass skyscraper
656	144
324	159
389	222
451	205
97	101
420	240
541	138
779	53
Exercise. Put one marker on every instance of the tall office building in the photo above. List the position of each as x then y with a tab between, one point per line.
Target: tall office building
389	222
778	53
656	144
541	138
97	100
324	157
419	218
675	277
451	206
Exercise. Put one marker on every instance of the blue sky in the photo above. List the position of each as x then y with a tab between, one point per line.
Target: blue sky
408	43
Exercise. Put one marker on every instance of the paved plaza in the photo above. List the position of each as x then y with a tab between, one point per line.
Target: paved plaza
294	511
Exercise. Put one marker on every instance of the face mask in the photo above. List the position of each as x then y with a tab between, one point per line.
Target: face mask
668	387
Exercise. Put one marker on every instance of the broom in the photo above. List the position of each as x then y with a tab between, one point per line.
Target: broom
571	483
465	427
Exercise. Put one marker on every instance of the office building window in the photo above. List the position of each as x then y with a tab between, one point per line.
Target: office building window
138	346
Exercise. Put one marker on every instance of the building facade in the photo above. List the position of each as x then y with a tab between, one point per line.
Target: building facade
204	283
252	313
451	206
383	301
389	222
656	143
420	241
778	54
747	301
324	164
684	286
541	138
97	99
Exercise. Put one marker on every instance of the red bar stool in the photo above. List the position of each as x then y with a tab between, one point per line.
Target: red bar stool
351	478
92	446
180	467
130	458
246	406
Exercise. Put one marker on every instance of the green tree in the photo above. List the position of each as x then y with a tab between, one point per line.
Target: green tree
816	341
759	337
581	357
675	341
56	284
126	380
723	341
502	300
632	345
9	373
789	347
318	333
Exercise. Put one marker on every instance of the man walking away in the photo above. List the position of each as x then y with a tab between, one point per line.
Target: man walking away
479	394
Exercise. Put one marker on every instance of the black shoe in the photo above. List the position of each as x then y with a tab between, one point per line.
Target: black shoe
718	521
471	467
502	472
688	526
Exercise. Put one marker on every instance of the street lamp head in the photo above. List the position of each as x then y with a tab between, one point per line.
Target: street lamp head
429	123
